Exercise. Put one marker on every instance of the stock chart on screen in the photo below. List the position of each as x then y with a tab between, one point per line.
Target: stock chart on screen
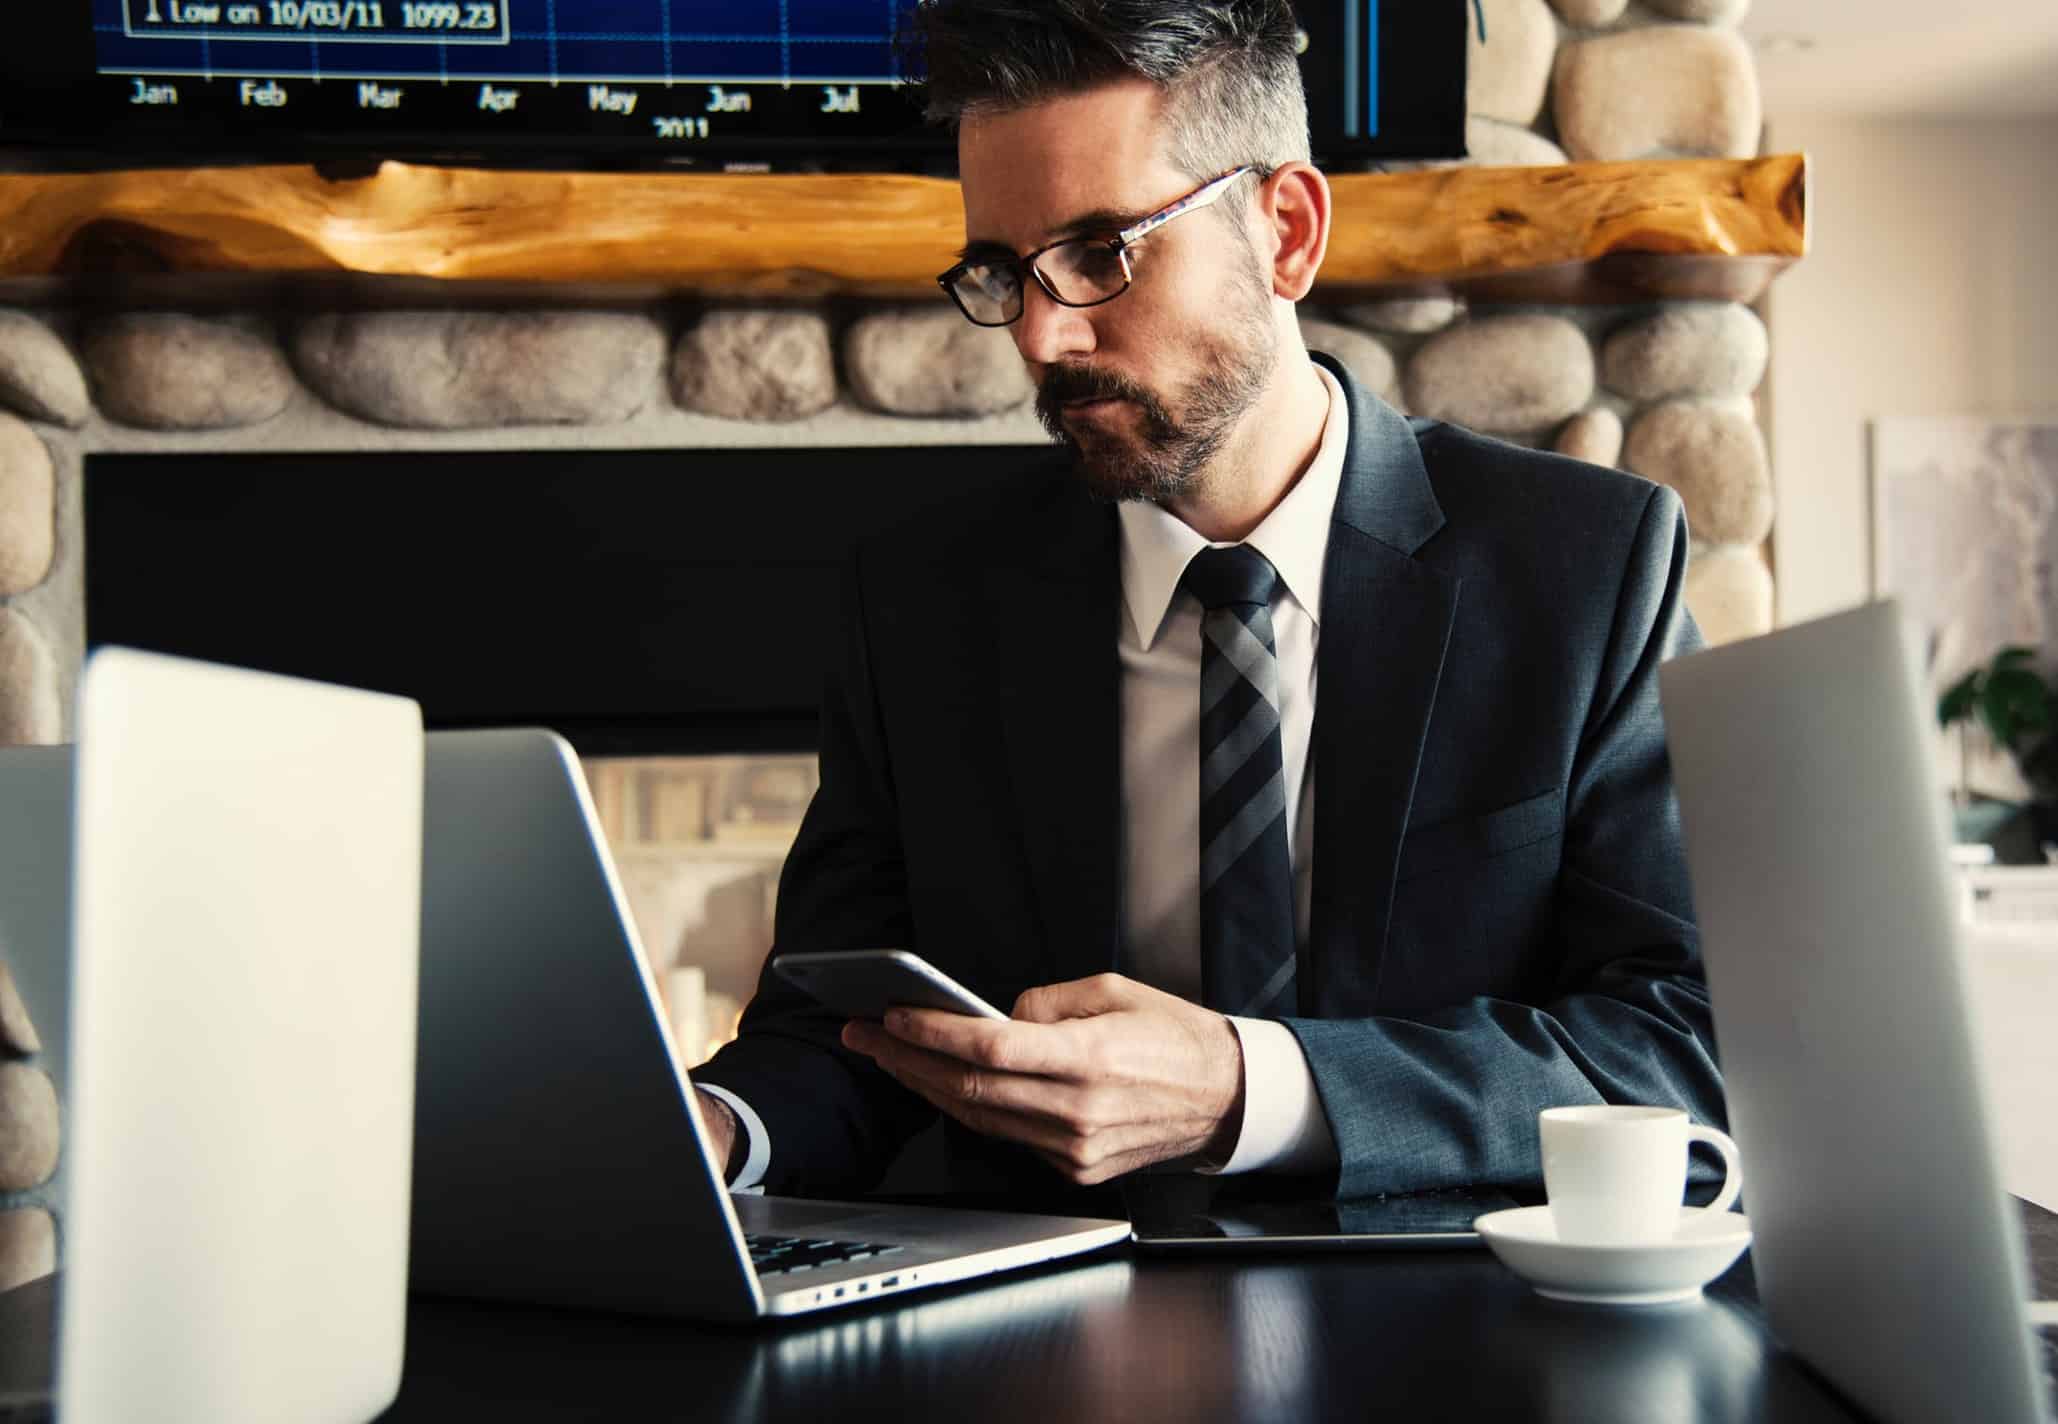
662	70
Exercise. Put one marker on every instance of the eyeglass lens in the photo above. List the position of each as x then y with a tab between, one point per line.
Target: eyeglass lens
1080	274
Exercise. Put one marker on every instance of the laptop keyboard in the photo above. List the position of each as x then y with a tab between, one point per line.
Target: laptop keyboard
779	1255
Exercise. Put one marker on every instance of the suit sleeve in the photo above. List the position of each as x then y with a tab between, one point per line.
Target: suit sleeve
1451	1098
834	1120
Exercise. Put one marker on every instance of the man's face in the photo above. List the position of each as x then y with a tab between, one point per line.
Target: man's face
1147	388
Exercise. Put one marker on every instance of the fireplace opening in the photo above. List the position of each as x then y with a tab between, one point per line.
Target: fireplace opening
669	612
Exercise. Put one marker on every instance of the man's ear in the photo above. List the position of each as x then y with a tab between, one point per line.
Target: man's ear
1294	203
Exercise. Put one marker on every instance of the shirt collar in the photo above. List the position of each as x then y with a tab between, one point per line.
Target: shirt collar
1157	545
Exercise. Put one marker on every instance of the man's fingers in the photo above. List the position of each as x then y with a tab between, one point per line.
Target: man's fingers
1077	999
1069	1106
1092	1158
1053	1050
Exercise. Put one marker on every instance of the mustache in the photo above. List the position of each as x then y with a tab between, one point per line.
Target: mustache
1064	384
1087	383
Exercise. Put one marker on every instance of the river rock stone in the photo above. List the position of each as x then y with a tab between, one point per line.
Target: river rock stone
1497	145
1506	75
28	508
1729	592
1406	316
28	1127
931	361
1507	375
168	371
1702	12
1692	349
1364	356
38	376
30	714
447	370
17	1030
1659	91
1594	436
756	364
28	1246
1589	14
1715	458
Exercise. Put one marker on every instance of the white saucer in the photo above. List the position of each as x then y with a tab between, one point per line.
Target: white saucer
1658	1273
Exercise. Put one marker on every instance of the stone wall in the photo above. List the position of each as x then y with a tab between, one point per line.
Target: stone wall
1663	389
28	1146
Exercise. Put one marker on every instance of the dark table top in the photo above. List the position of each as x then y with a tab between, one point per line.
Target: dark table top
1117	1335
1412	1335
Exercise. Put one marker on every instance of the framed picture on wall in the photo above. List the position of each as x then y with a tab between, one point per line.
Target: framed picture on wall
1965	535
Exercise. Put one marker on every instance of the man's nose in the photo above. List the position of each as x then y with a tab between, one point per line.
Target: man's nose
1048	331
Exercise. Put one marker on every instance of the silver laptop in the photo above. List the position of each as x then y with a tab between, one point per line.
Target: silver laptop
1887	1254
243	888
559	1152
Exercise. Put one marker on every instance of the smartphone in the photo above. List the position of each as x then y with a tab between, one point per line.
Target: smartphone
864	983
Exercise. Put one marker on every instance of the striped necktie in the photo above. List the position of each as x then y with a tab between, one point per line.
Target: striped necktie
1246	880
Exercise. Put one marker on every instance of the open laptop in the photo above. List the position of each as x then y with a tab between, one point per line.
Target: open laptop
1886	1254
238	904
559	1152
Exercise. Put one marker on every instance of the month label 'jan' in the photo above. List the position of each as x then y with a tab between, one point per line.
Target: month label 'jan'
154	93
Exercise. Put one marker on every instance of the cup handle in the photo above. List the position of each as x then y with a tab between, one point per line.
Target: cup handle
1732	1168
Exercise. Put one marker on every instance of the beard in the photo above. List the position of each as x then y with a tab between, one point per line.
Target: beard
1173	446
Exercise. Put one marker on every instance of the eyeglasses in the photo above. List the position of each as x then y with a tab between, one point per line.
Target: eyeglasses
1077	272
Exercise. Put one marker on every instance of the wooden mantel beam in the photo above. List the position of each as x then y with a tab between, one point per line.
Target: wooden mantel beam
1590	231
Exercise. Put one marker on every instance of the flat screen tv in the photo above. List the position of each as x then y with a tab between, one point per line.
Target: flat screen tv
792	84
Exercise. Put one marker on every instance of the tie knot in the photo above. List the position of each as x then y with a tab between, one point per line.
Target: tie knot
1237	574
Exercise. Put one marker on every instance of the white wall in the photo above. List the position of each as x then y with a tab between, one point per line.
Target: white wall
1930	288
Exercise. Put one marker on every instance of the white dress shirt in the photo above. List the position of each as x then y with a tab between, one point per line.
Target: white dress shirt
1159	644
1160	649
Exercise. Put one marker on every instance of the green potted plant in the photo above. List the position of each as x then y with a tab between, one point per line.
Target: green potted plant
2010	699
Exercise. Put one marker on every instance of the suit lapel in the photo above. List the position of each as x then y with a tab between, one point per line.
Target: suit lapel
1056	668
1386	621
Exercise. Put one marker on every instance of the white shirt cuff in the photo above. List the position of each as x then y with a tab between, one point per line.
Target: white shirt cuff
1284	1128
750	1177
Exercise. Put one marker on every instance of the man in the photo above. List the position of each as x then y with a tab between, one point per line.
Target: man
1294	769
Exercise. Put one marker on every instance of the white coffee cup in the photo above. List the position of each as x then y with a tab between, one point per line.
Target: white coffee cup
1616	1176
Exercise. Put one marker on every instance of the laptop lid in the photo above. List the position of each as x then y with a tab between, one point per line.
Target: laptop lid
247	862
558	1155
559	1150
1886	1253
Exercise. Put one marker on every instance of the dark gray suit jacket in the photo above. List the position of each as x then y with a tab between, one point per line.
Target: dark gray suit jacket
1500	917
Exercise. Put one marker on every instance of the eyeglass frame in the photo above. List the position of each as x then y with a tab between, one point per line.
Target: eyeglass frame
1119	244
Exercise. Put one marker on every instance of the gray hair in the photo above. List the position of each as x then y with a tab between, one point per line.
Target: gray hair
1227	68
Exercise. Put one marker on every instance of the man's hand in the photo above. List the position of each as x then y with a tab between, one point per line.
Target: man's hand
722	1130
1100	1076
